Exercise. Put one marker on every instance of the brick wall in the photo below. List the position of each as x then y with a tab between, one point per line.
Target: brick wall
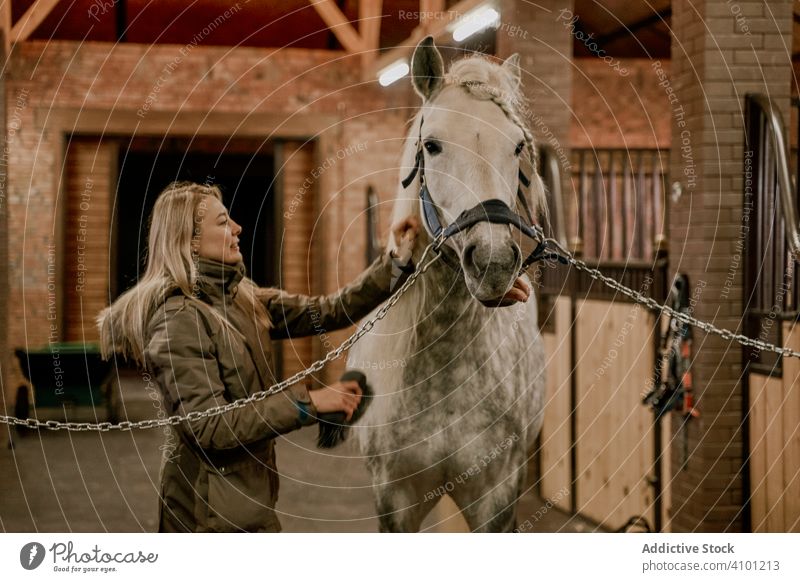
714	63
614	111
545	50
366	151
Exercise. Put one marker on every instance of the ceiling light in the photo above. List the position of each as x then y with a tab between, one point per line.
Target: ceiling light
475	21
392	73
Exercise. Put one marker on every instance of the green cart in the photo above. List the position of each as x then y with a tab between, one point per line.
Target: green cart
68	374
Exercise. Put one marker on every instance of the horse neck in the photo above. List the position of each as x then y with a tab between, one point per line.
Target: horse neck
447	306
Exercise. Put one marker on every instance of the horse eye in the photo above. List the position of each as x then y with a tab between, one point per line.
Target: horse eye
433	147
520	147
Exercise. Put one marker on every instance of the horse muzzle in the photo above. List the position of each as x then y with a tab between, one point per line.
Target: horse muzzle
527	239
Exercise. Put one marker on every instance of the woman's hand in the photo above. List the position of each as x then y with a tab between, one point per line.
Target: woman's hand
339	397
405	234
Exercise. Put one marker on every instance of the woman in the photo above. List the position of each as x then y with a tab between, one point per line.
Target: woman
204	331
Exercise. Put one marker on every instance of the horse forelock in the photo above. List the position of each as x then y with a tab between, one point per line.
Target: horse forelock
486	81
477	72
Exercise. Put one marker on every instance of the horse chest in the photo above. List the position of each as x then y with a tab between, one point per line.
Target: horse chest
462	369
469	373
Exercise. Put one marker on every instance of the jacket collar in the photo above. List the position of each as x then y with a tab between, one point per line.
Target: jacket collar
217	280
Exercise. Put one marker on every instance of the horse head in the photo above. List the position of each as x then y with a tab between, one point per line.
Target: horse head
473	143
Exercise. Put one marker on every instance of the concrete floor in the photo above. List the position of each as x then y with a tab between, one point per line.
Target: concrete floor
88	482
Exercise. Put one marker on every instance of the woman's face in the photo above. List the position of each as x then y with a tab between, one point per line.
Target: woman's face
219	234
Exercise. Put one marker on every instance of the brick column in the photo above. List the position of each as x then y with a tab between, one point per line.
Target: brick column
536	31
298	196
88	187
720	51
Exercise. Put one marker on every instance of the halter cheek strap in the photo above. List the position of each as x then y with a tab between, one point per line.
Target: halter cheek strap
429	214
525	182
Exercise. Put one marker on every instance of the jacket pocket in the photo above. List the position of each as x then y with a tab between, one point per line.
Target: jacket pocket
241	498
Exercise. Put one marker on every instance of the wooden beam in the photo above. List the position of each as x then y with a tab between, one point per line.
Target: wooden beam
339	25
121	10
430	11
431	5
369	27
31	20
5	24
436	29
114	121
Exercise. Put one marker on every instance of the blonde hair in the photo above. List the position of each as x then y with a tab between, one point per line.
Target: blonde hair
171	266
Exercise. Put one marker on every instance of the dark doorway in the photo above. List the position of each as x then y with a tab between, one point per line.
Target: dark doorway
246	182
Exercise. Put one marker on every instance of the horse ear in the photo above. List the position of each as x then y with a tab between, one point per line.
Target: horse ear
427	68
511	66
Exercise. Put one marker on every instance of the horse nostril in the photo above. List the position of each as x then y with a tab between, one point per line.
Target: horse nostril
517	253
469	251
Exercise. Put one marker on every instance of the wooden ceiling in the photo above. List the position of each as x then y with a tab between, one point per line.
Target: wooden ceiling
258	23
623	28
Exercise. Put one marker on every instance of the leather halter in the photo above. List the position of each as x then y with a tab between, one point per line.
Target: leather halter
494	211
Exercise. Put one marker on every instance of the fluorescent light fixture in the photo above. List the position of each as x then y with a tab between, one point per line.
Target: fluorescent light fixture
397	70
475	21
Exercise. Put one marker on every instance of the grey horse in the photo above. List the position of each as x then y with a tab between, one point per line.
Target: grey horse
459	387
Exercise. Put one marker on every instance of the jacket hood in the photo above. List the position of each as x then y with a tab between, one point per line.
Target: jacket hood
216	283
217	280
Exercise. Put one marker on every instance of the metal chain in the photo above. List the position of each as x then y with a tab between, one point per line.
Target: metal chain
656	306
434	247
261	395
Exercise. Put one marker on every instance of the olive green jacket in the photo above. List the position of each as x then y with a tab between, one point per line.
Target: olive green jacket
219	471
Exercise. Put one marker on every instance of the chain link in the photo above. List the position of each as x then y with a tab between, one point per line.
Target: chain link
195	415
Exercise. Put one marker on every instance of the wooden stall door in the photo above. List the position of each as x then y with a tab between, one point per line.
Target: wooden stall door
556	437
614	438
775	444
599	443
